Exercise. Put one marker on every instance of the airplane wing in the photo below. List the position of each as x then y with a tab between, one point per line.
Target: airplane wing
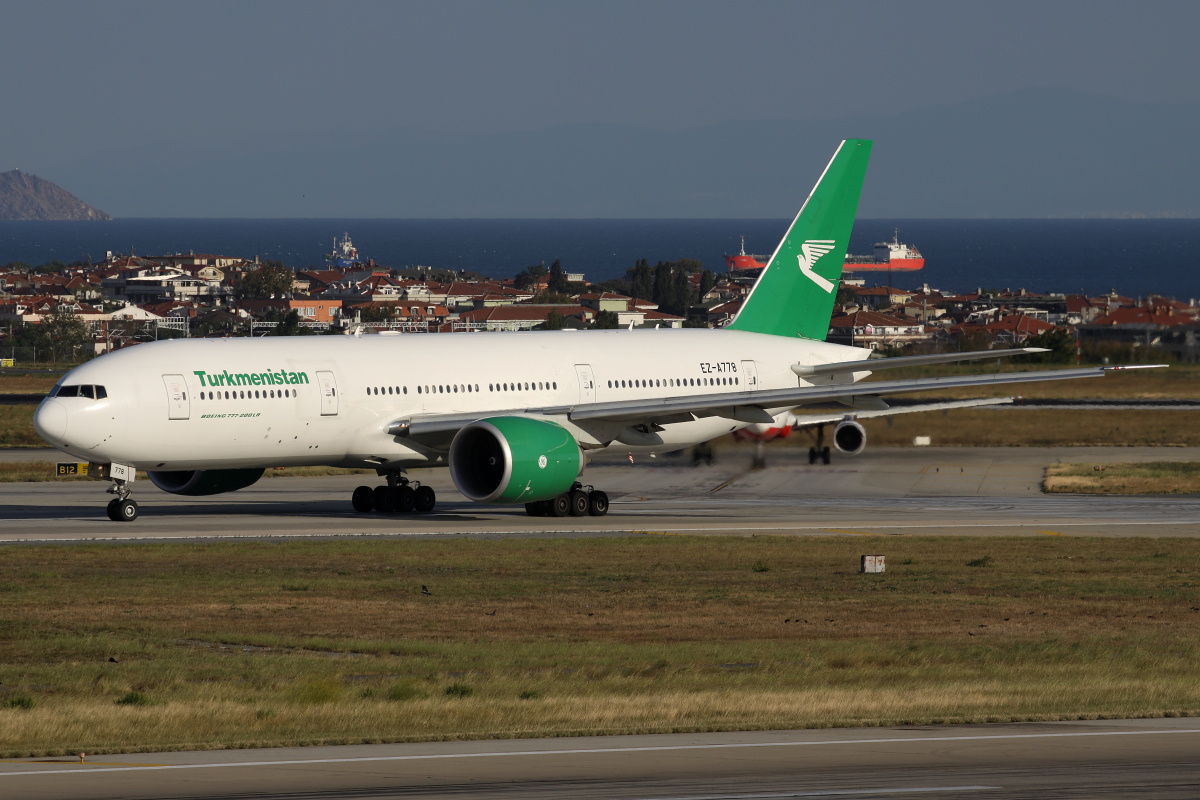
873	364
746	406
753	406
813	420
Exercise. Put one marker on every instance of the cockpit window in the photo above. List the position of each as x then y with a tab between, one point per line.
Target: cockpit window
94	392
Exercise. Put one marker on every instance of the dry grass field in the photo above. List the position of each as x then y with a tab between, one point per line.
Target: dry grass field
156	646
1040	427
1156	477
27	382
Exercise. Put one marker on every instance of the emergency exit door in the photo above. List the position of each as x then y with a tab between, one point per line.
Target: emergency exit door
329	398
178	405
749	375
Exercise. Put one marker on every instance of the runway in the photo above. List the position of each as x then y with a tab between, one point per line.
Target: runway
1096	759
885	492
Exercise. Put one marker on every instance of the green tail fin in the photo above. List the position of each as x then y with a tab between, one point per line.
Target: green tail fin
795	293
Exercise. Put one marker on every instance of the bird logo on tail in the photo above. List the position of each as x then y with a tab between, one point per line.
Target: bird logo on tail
810	251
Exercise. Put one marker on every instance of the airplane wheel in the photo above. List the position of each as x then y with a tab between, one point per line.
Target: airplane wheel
382	497
560	506
363	499
812	455
112	510
405	499
425	500
825	455
579	502
127	510
535	509
597	504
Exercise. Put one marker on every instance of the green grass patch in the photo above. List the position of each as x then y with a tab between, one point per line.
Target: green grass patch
618	635
1151	477
16	427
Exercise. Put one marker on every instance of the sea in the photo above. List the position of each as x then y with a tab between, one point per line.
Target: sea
1133	257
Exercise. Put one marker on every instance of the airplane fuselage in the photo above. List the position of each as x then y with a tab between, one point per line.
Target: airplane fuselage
329	400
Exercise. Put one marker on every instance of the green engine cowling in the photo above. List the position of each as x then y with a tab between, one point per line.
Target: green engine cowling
196	483
514	460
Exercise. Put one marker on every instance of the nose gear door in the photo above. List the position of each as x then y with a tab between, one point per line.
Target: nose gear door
178	405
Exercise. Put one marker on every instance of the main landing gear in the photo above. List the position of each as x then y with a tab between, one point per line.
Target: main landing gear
580	501
399	496
819	450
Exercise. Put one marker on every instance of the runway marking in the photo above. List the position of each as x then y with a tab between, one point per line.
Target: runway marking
831	793
732	526
607	750
721	486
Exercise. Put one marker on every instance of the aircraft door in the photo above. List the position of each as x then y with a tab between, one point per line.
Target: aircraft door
749	376
329	398
587	384
178	405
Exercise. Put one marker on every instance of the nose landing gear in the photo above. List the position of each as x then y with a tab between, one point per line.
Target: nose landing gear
121	508
399	496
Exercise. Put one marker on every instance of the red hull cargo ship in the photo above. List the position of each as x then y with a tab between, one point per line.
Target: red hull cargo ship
893	255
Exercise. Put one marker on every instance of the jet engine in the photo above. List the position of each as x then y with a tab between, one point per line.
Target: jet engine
849	437
514	460
195	483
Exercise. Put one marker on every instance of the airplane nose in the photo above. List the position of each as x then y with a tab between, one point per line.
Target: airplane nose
50	421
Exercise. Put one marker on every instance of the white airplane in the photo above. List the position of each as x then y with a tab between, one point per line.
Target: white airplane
513	415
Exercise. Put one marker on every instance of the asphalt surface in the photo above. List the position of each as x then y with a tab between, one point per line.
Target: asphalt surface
1108	759
885	491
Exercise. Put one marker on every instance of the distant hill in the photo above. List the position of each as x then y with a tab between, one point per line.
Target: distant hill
25	196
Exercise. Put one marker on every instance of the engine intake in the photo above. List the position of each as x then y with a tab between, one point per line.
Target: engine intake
849	437
514	460
197	483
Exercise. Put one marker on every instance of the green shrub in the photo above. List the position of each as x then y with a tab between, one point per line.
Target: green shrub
459	690
133	699
321	690
405	690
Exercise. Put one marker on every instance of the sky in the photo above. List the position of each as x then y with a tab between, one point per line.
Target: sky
107	80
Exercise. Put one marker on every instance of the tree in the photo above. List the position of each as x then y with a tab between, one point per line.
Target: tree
707	282
290	325
554	321
641	281
530	276
550	297
557	280
61	335
846	296
269	279
1058	341
607	320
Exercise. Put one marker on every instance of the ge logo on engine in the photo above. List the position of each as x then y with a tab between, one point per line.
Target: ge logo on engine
541	462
